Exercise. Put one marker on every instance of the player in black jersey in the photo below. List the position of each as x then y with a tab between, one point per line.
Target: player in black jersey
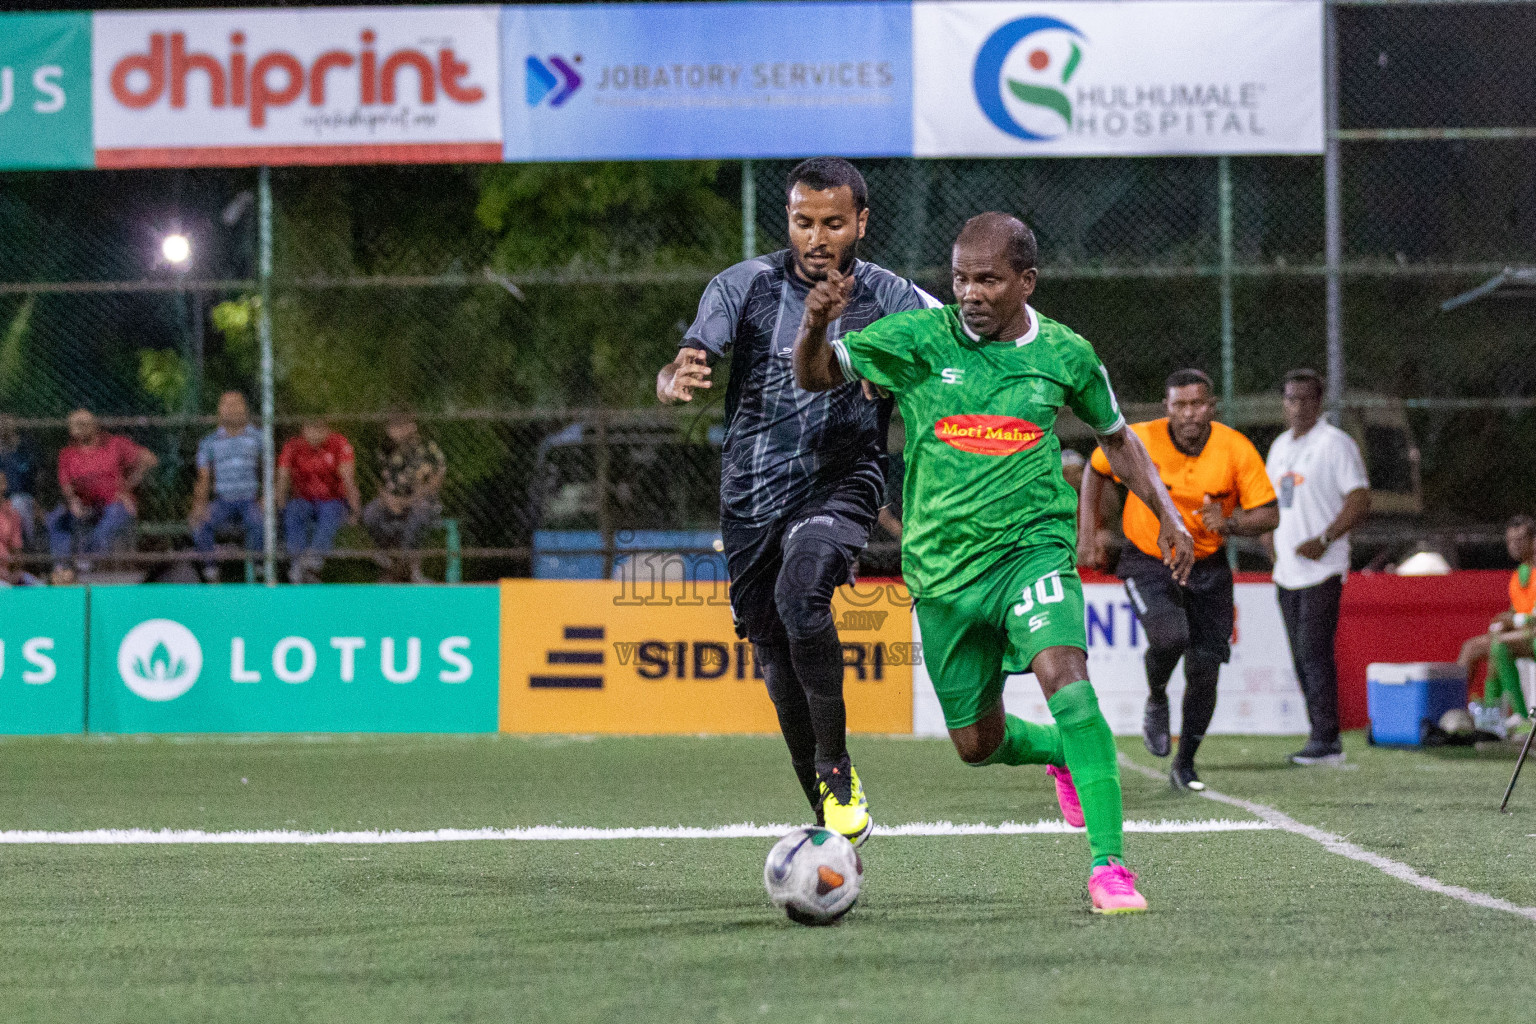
802	475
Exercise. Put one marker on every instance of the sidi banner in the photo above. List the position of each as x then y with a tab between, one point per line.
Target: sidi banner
42	660
295	659
1258	693
45	90
650	655
301	86
1113	78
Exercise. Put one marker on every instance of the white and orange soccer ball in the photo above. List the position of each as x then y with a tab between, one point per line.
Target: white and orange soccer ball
814	874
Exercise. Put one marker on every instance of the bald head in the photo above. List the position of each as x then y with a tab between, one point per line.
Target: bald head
1003	232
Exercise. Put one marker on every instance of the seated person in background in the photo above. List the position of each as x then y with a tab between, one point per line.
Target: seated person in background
1502	708
411	473
11	542
98	474
18	461
228	461
317	489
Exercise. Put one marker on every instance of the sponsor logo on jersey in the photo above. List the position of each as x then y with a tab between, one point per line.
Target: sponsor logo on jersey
984	434
952	375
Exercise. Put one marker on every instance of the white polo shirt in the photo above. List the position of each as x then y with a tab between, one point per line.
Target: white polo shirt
1312	475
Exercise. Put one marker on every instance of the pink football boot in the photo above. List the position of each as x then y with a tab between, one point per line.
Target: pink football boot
1113	887
1066	796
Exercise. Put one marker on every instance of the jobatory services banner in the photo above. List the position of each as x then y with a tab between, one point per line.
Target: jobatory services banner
45	90
1107	78
1258	694
706	80
338	658
42	660
595	656
300	86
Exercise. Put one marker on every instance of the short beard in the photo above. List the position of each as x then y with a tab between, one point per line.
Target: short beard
843	266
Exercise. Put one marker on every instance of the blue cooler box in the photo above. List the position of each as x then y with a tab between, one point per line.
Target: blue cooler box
1399	697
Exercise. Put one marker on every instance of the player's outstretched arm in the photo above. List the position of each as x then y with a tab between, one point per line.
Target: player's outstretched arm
676	381
1090	516
1129	459
816	367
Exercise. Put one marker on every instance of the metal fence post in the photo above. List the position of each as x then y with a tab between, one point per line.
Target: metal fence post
1224	233
748	211
1333	227
264	339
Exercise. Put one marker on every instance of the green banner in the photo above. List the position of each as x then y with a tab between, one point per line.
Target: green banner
42	660
293	659
45	91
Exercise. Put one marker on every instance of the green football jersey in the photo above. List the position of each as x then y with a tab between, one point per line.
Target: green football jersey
983	465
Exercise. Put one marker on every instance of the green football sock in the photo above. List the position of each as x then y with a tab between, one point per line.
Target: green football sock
1028	743
1503	680
1090	752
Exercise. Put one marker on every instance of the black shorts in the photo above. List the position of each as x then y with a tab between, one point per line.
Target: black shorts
1200	613
755	557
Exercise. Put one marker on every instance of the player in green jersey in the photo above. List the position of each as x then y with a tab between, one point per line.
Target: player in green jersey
989	542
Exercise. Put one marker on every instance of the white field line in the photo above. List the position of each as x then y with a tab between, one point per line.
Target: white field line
746	830
1344	848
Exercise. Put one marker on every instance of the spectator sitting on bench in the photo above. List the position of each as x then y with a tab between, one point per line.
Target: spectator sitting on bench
98	474
317	488
1502	708
227	464
11	541
18	461
411	472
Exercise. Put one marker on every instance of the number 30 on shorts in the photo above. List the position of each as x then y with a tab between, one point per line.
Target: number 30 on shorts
1045	590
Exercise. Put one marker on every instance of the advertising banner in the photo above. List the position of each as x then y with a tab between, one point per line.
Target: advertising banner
42	660
1257	694
706	80
301	86
610	657
45	91
296	659
1108	78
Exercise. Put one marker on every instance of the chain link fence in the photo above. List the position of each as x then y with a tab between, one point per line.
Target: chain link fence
521	311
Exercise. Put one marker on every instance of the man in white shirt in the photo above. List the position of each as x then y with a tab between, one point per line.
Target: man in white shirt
1320	478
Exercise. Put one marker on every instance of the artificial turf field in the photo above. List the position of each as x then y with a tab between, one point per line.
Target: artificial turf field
1245	926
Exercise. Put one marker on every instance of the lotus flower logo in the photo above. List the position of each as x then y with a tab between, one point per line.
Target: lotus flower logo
160	668
159	659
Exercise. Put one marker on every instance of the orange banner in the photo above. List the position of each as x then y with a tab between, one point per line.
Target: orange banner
596	656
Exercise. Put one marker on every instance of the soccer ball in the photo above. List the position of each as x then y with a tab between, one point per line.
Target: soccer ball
814	874
1458	722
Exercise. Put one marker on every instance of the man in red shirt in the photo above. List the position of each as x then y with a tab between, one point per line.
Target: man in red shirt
98	474
317	487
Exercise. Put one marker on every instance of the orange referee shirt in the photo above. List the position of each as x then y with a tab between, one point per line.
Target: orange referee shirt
1522	590
1229	469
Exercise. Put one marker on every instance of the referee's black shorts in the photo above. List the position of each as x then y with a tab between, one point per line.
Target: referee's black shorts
1199	615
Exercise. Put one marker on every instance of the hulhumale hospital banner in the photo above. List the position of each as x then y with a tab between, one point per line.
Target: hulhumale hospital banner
653	81
1103	78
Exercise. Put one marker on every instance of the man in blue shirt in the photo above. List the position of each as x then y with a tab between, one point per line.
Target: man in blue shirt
18	463
228	464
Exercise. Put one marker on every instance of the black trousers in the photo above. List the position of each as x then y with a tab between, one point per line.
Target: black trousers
1311	621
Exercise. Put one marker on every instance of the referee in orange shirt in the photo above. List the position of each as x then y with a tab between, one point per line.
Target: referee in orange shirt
1217	479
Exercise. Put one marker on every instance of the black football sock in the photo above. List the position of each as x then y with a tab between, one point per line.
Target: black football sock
794	713
1160	663
1201	672
819	664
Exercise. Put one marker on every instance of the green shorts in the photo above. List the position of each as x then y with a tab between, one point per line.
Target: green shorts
994	626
